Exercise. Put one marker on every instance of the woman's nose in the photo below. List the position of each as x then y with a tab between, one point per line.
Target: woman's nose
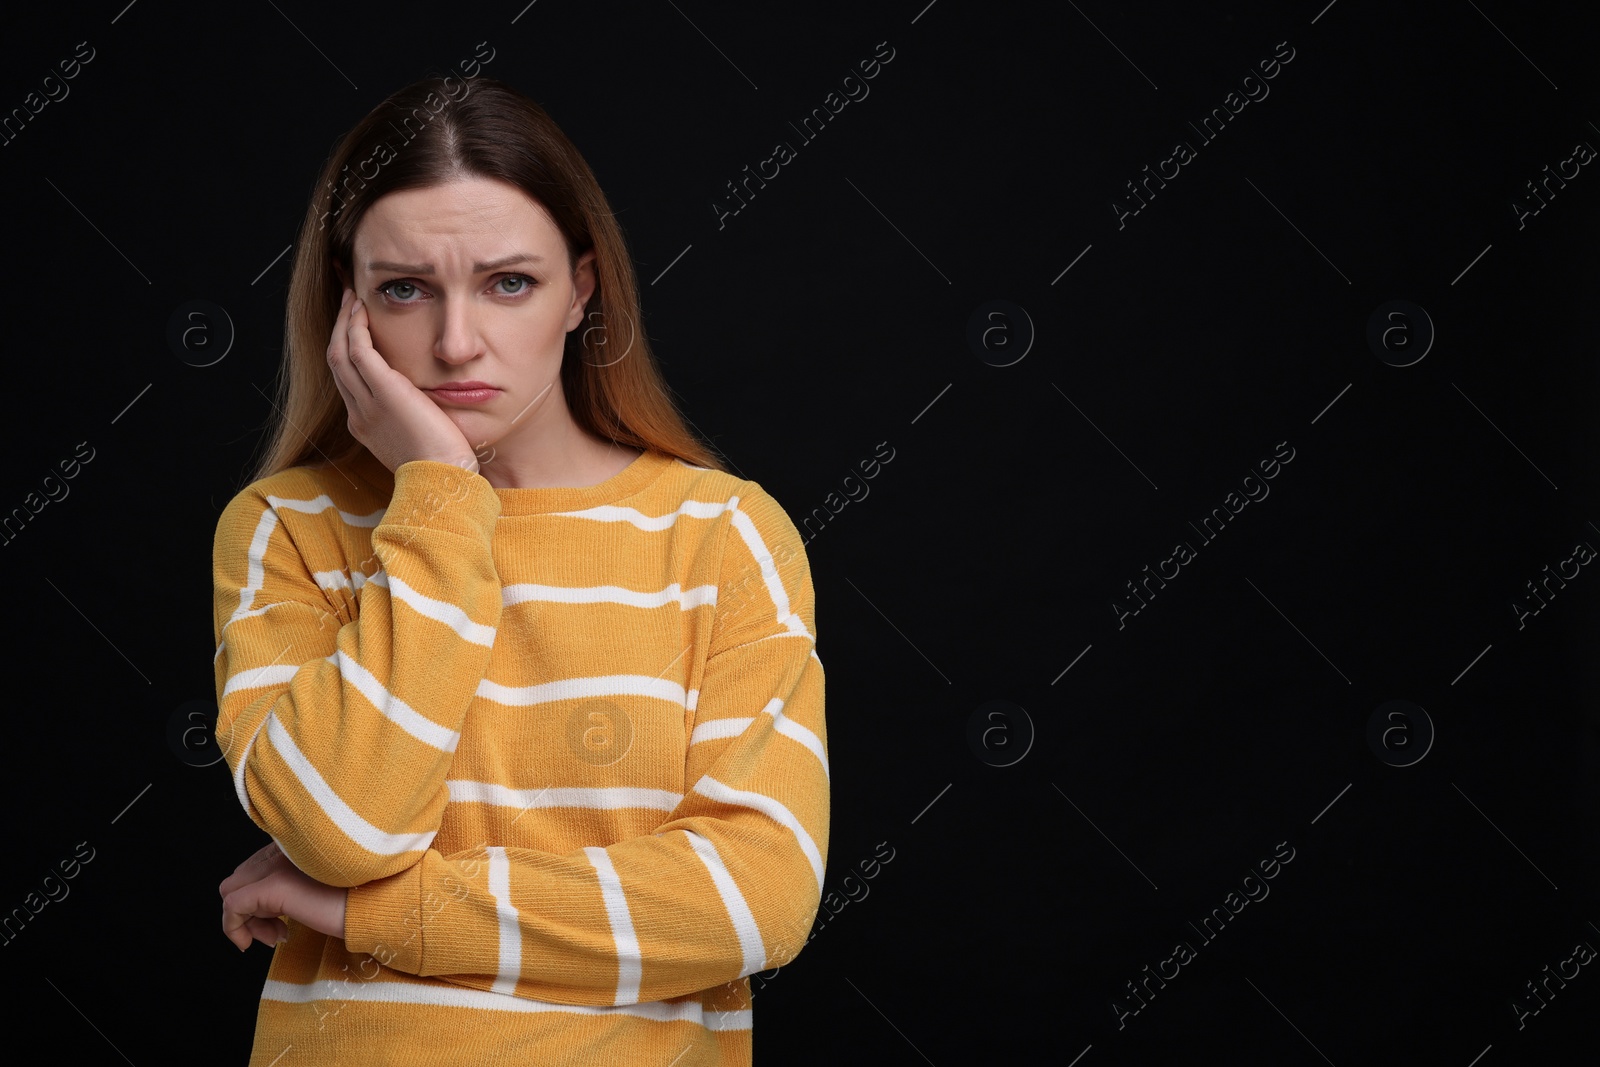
459	339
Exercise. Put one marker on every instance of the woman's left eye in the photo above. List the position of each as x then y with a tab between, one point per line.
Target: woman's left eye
388	289
523	283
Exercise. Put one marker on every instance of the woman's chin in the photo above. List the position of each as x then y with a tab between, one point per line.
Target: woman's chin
480	431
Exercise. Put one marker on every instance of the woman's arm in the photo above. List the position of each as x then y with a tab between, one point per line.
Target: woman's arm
340	734
726	886
265	889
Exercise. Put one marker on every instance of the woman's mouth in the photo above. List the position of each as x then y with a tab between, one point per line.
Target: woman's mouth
464	392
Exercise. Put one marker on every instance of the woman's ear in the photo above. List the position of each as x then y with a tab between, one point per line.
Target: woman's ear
583	286
344	278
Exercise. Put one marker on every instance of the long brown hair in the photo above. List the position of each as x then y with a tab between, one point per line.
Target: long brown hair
447	129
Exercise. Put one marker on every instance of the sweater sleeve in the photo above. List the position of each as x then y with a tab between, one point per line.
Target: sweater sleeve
726	886
339	713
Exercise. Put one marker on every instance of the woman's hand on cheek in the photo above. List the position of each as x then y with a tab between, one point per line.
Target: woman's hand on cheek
394	419
267	886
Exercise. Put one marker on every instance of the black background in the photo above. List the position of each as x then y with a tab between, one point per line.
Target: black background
830	316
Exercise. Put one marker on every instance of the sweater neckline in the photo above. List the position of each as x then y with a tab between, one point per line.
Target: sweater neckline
644	469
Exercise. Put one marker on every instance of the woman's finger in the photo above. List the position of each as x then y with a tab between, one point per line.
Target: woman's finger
352	373
346	376
369	364
268	931
235	928
260	864
262	899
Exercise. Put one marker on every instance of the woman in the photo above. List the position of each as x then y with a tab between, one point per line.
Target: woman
520	681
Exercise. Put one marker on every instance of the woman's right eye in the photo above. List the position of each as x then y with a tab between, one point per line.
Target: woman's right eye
387	289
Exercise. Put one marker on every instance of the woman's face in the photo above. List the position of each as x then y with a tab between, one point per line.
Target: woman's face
468	282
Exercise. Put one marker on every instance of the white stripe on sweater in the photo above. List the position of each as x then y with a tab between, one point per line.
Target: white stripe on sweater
357	829
794	731
262	610
723	793
695	509
692	597
439	610
322	503
257	677
352	581
249	678
238	772
521	696
744	922
393	708
758	549
630	961
510	932
255	573
255	565
607	798
717	729
435	993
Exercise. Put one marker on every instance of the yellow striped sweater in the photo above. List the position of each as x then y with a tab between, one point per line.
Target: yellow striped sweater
565	746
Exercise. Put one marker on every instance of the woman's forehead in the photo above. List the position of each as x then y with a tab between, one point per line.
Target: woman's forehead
459	223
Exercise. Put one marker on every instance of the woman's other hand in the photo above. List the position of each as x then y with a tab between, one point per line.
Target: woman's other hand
395	420
266	886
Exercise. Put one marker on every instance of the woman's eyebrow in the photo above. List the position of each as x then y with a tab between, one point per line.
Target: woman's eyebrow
477	268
